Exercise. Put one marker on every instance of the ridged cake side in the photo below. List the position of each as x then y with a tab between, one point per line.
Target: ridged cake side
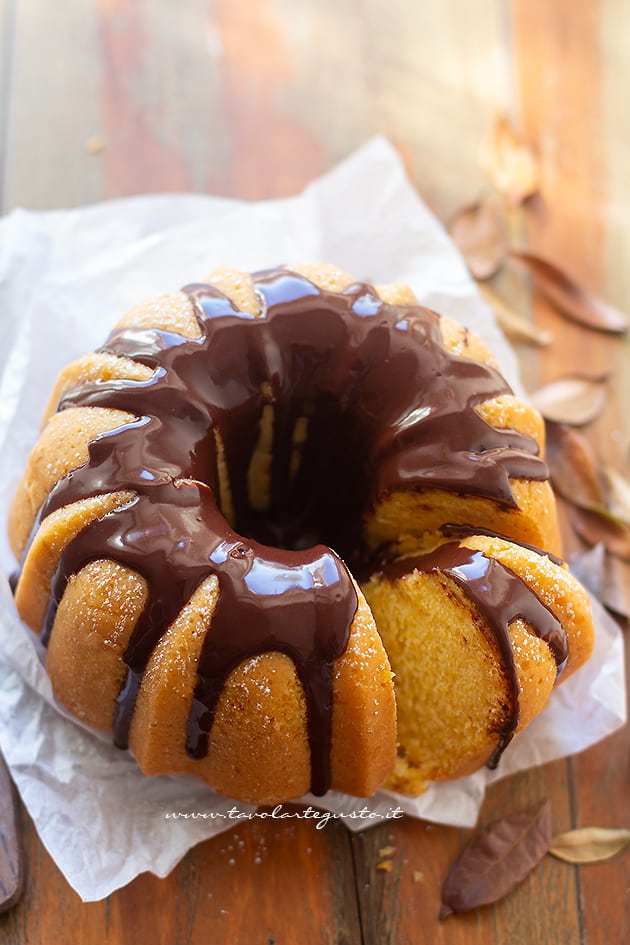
259	745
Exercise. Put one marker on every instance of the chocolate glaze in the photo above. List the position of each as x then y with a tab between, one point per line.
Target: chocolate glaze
461	531
501	596
387	407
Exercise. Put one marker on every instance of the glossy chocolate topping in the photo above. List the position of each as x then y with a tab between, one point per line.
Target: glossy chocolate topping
461	531
501	596
360	398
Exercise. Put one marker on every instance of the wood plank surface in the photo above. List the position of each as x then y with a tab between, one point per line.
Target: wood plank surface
576	220
113	97
262	882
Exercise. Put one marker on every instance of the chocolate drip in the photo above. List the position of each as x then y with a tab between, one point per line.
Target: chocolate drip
298	603
386	408
501	596
461	531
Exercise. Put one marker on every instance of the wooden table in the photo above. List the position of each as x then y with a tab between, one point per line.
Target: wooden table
253	98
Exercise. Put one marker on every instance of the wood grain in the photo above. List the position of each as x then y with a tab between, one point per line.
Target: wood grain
401	905
614	29
272	152
573	219
158	86
600	784
560	67
280	882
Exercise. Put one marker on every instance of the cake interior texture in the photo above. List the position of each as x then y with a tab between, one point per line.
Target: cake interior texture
176	521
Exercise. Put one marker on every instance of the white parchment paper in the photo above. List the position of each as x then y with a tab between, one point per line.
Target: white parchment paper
65	278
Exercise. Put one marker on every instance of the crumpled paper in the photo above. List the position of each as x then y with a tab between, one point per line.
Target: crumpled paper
65	277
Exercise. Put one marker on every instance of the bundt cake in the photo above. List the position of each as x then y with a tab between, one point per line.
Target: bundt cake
175	523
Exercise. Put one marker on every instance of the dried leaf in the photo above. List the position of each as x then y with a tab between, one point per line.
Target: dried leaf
571	299
573	400
599	511
508	162
514	325
619	494
497	860
589	844
575	471
479	234
598	525
615	590
606	576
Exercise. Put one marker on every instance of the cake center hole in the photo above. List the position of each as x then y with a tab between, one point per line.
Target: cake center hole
306	481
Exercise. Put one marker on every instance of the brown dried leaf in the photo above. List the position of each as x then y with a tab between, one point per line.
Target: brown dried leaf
508	162
497	860
479	234
589	844
619	494
606	576
571	299
575	471
573	400
615	590
514	325
598	525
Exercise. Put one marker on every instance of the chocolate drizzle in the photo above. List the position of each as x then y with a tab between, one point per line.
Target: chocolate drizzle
461	531
386	407
501	596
